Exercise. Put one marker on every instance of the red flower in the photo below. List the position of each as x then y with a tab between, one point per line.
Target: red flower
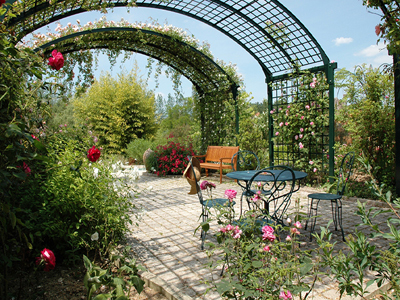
33	136
48	258
57	61
93	154
26	168
2	2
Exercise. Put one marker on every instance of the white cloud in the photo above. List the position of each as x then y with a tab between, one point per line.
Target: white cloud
375	55
343	40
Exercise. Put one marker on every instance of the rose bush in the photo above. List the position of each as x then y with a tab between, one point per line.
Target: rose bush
172	158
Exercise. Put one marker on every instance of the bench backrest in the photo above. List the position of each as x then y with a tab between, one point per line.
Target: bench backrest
214	153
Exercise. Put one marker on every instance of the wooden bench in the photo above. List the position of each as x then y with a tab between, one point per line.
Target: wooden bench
218	158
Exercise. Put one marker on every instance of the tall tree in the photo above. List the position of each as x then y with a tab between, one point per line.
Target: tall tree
118	109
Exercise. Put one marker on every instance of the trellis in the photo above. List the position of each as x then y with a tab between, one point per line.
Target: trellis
267	30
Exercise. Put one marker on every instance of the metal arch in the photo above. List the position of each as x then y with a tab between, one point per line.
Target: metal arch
248	21
128	29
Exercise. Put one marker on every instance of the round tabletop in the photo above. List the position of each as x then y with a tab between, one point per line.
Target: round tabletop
281	175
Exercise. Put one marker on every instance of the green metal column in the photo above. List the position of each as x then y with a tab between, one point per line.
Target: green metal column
235	94
270	121
331	82
396	66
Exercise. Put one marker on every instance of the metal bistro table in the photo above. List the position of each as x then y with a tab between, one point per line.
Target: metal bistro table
246	176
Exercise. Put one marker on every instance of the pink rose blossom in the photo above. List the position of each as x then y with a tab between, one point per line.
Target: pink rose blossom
229	227
312	132
298	225
301	129
286	123
301	146
288	238
294	230
315	170
280	124
285	295
288	106
230	194
296	137
236	233
300	136
311	162
312	84
307	106
311	123
277	133
302	117
267	249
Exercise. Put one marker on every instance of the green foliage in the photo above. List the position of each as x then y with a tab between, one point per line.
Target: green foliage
151	162
119	110
81	192
366	113
137	147
118	283
350	269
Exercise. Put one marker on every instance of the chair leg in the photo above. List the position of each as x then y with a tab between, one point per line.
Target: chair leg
312	216
220	176
203	233
337	218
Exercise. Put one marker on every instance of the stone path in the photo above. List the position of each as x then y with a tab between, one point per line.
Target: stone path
165	243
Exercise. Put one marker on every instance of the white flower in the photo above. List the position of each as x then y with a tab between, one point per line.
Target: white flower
94	236
95	172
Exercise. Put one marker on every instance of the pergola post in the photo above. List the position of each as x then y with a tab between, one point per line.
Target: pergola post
331	82
396	66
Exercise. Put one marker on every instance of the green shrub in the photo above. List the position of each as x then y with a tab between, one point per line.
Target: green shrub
151	162
137	147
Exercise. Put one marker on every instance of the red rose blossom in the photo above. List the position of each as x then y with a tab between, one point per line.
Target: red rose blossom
57	61
48	258
93	154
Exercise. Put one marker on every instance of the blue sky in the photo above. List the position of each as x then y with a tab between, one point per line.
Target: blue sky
344	28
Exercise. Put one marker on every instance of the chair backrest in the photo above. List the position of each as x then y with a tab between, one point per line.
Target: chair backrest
199	194
244	160
277	184
345	172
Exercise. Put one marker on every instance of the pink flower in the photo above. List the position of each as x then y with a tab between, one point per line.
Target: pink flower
287	112
267	228
57	61
312	84
268	233
296	137
267	249
311	162
315	170
294	230
285	295
34	137
223	230
277	133
271	112
229	227
259	184
311	123
301	145
307	106
301	129
230	194
302	117
289	220
288	238
288	106
280	124
236	233
300	136
298	225
286	123
312	132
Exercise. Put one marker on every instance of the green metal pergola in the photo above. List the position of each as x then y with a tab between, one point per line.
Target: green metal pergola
267	30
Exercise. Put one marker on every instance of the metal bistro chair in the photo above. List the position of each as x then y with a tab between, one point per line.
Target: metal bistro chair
205	204
277	184
242	161
344	175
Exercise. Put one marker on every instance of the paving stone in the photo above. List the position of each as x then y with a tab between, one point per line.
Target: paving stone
166	245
